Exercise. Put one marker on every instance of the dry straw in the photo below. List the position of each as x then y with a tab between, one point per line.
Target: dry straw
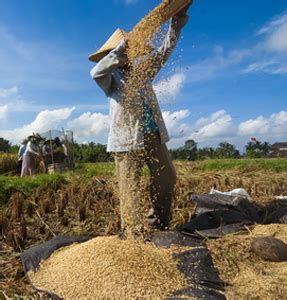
246	274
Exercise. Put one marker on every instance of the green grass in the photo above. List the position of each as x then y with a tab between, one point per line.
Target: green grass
247	165
99	169
244	165
10	184
94	169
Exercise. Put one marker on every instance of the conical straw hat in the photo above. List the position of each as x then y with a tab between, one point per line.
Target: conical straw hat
109	45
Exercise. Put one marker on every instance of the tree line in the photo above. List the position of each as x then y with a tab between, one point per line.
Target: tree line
95	152
190	151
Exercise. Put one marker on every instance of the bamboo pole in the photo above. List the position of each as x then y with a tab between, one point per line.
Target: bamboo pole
52	151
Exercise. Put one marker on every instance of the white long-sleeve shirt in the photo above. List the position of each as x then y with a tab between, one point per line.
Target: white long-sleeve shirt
126	130
31	148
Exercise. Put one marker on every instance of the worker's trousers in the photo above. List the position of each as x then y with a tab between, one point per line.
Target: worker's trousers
129	166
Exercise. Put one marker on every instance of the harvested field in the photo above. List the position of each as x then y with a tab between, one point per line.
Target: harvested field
8	163
88	205
107	267
248	276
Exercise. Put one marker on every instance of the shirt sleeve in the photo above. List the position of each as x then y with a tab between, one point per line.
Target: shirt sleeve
20	152
102	72
29	149
162	54
65	149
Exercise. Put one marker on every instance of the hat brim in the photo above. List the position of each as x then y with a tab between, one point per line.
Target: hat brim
97	56
109	45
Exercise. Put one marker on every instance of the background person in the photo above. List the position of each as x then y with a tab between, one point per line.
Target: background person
32	151
20	154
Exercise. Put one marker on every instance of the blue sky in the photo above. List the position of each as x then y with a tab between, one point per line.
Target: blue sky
226	81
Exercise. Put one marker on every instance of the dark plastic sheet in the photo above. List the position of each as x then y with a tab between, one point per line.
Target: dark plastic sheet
32	257
218	215
196	264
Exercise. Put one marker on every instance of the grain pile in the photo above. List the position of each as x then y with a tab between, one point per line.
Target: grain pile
248	275
106	267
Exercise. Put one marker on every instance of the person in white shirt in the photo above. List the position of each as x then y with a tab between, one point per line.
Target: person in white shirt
32	151
20	154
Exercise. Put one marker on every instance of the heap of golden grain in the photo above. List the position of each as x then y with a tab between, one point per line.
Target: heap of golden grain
107	267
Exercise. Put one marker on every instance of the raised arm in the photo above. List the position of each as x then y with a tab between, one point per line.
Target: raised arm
102	72
159	58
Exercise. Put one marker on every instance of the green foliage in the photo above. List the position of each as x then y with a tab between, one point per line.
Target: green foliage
95	169
10	184
256	149
188	151
13	149
4	145
91	152
244	164
206	153
105	169
226	150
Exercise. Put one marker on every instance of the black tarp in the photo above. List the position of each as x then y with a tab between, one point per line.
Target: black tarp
217	214
196	264
32	257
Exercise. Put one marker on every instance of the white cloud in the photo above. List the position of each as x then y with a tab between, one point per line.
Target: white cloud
177	127
217	125
279	123
167	89
278	40
275	33
44	121
272	127
4	93
3	112
208	131
260	126
92	126
270	67
274	24
270	54
11	98
172	119
220	126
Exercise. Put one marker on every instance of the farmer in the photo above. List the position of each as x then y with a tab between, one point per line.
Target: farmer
32	151
20	154
141	141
